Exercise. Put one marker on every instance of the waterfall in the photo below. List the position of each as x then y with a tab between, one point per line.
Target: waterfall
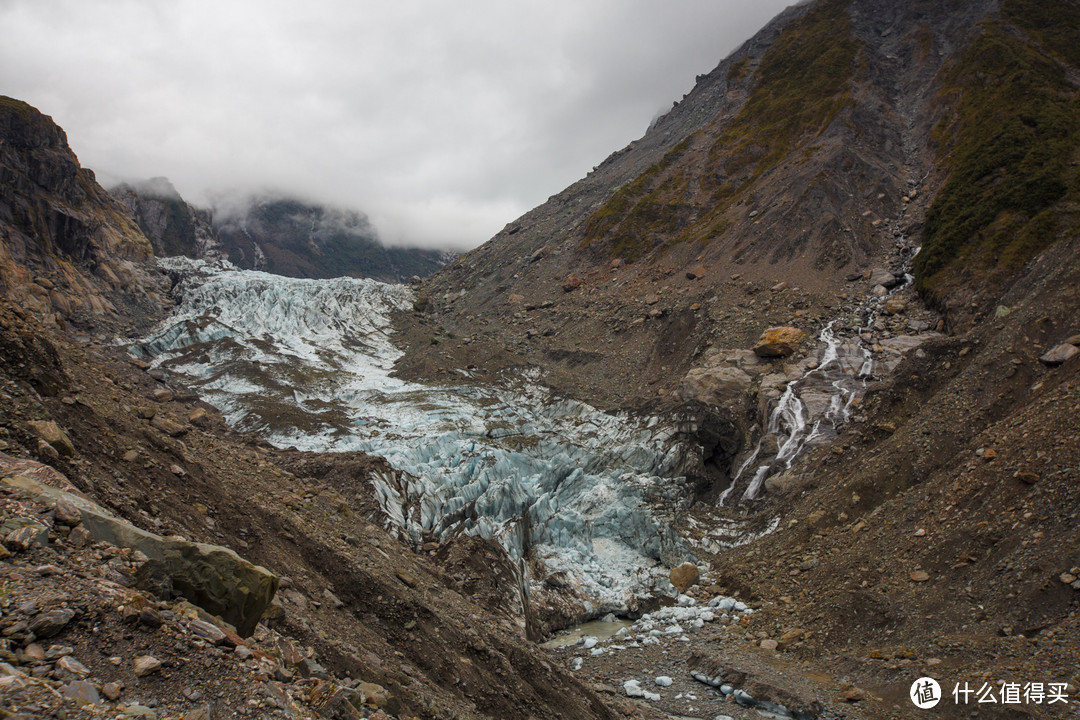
791	421
842	370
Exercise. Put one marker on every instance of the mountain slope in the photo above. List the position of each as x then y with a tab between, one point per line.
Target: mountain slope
788	163
279	235
1010	146
298	239
173	226
68	251
936	534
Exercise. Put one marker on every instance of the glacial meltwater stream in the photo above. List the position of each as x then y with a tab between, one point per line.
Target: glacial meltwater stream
811	409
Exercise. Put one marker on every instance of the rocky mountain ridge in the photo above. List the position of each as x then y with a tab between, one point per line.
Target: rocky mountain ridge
276	234
773	171
173	226
68	251
855	141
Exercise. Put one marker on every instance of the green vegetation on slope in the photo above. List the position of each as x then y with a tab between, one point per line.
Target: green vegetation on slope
1055	25
804	81
16	107
641	211
1011	140
801	84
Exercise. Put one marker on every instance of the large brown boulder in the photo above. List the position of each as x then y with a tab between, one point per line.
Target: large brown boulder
720	386
779	341
684	576
1059	354
51	433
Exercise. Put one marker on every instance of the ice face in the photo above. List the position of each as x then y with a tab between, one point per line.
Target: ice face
307	363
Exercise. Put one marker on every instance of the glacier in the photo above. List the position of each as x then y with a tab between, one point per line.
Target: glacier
307	364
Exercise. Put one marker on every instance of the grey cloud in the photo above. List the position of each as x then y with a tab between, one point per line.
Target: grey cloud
441	121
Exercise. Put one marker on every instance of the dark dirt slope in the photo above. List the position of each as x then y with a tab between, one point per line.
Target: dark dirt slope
368	607
789	163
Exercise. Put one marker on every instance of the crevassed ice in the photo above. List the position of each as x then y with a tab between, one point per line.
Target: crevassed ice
307	363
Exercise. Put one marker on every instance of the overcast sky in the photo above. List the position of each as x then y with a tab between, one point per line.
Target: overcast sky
442	121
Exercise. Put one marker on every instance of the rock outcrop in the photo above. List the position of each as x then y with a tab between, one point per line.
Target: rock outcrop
173	226
212	577
779	342
726	387
68	250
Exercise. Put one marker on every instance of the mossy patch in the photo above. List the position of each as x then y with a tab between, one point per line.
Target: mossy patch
802	83
1008	146
738	69
641	210
9	105
1055	25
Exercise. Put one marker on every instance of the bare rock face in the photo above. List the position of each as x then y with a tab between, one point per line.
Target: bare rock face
68	250
726	387
1059	354
51	433
38	472
212	577
884	278
173	226
779	342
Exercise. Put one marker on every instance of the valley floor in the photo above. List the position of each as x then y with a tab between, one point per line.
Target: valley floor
936	536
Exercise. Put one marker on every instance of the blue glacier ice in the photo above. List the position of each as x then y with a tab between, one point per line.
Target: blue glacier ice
307	363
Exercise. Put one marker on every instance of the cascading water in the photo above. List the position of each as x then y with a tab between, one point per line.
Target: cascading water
814	405
793	423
